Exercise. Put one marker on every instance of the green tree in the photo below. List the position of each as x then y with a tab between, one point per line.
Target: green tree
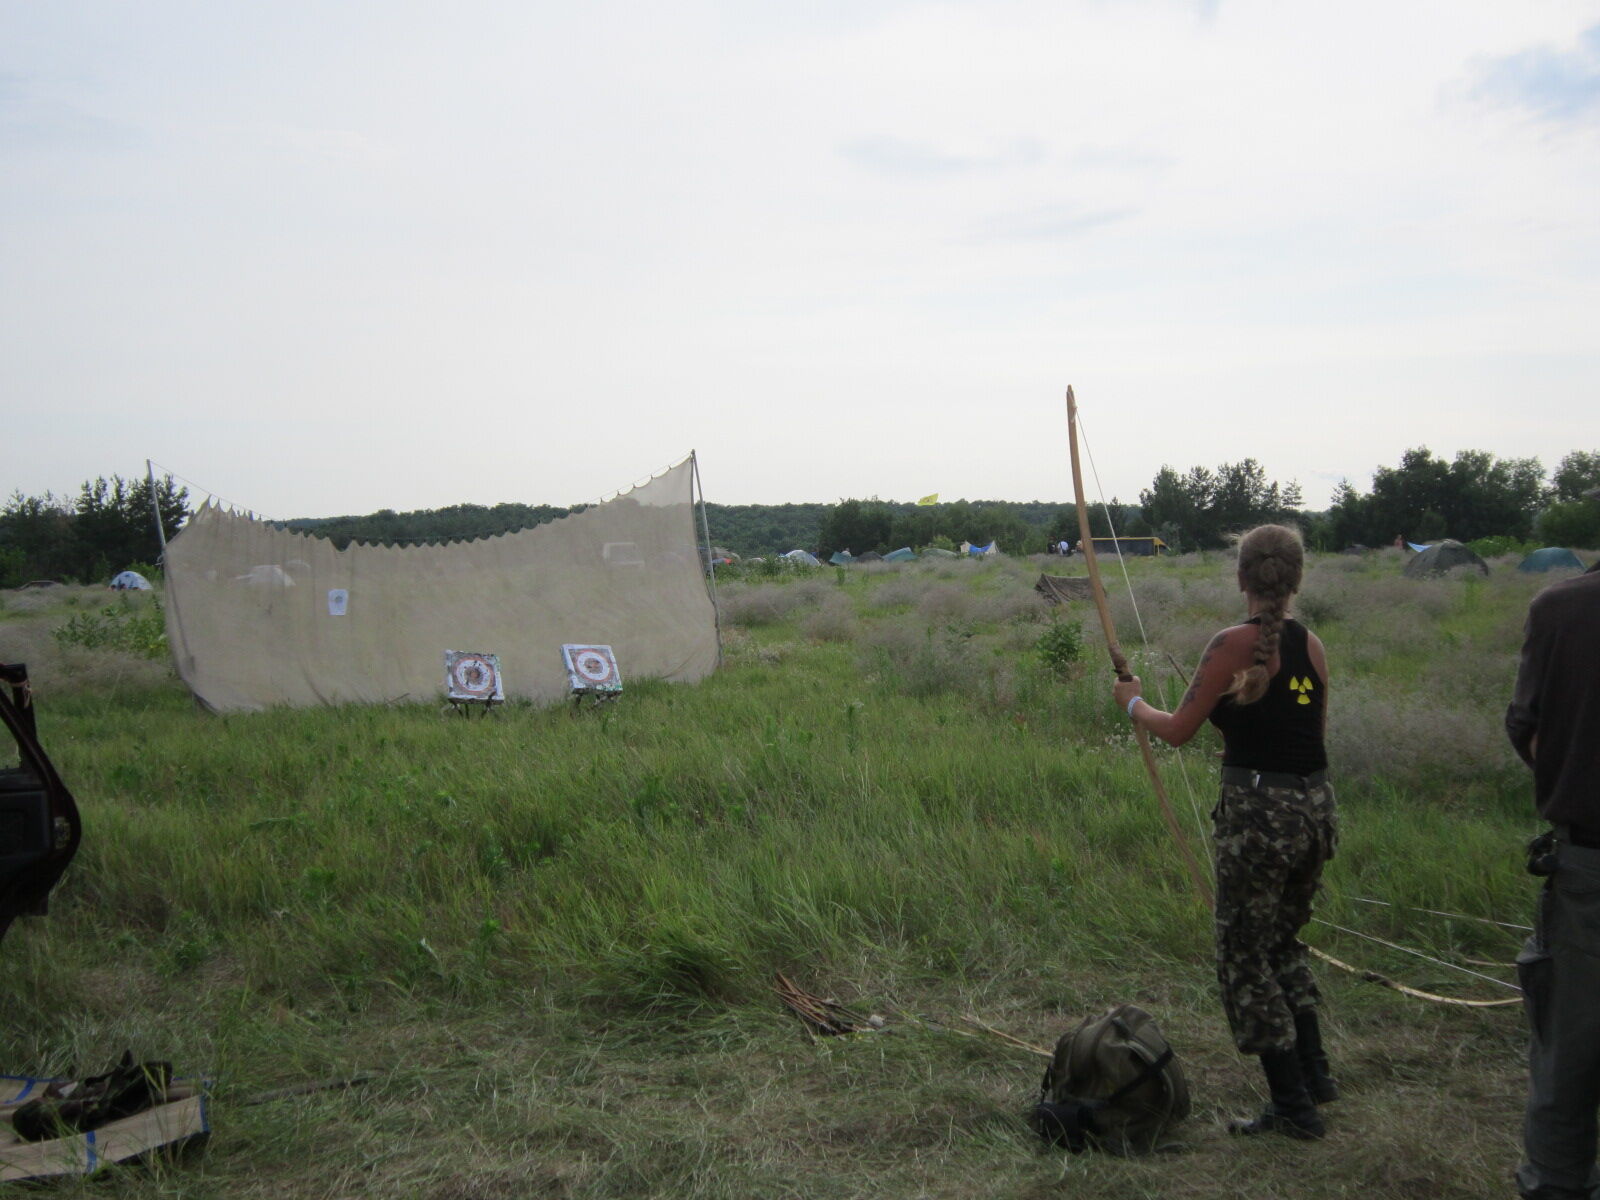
1571	523
1171	503
857	526
1203	507
115	522
38	531
1576	476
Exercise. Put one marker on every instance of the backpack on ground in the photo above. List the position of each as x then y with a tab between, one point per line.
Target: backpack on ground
1113	1084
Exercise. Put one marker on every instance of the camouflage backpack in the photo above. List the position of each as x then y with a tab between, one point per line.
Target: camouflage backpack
1113	1084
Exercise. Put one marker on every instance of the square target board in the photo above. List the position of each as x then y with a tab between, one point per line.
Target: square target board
592	668
469	675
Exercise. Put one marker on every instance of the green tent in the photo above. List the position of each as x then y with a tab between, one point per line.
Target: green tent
1551	558
1443	557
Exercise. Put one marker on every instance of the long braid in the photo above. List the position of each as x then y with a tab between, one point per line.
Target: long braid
1271	563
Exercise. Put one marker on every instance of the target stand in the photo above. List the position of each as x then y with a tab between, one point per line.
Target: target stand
472	680
592	674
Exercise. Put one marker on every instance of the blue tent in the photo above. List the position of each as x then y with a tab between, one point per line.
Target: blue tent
904	554
840	558
1551	558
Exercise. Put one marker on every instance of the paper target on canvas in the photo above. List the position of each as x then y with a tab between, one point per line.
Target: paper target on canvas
592	668
469	675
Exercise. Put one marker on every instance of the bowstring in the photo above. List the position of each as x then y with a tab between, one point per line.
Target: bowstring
1183	770
1144	639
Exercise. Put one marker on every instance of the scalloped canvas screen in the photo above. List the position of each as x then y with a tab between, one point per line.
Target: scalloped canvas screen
260	616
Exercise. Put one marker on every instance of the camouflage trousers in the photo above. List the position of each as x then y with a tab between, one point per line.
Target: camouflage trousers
1271	843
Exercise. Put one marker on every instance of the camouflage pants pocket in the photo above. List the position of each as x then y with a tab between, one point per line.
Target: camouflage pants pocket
1270	847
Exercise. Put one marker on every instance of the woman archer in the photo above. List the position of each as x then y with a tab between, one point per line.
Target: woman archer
1264	684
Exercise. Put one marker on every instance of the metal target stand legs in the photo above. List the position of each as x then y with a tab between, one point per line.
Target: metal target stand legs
465	707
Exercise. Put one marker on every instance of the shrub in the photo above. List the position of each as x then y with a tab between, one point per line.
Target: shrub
1493	547
834	621
1060	648
763	605
138	630
945	603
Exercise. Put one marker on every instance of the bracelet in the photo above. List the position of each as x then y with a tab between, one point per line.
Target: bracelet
1132	702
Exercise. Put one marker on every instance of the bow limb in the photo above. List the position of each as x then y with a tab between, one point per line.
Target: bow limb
1385	981
1119	663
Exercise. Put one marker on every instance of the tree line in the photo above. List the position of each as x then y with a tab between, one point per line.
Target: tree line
110	525
1473	496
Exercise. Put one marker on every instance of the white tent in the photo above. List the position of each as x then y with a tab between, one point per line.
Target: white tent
130	581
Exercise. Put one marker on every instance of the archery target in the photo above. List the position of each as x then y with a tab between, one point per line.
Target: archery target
472	676
592	668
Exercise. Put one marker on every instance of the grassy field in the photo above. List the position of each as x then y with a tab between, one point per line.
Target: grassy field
550	937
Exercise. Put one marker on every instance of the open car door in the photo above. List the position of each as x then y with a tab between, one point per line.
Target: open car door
39	825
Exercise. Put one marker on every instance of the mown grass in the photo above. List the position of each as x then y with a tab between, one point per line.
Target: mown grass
552	935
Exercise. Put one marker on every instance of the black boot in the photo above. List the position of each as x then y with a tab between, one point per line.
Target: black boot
1322	1086
1290	1111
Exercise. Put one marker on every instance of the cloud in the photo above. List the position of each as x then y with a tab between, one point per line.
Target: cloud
1050	222
1555	84
898	156
32	122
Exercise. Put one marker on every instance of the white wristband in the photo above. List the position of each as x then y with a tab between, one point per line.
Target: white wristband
1132	702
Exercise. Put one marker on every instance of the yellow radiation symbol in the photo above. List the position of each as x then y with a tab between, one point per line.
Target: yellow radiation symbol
1302	686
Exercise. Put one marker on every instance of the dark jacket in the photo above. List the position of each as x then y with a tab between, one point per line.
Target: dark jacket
1557	698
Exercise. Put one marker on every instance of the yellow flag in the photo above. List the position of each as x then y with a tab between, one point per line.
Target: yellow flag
933	499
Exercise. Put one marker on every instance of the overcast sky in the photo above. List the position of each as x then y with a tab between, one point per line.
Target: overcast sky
332	257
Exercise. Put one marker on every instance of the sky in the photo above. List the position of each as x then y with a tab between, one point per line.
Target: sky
327	258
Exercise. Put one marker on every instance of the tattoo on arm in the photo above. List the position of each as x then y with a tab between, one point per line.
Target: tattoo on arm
1194	683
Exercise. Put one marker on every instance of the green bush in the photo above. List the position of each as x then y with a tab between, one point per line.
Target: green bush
1493	547
1061	646
137	629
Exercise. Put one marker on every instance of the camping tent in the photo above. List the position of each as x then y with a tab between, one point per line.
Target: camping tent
1443	557
869	556
130	581
939	552
802	558
840	558
1551	558
904	554
980	551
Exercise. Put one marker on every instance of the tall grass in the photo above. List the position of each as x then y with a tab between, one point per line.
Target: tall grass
885	793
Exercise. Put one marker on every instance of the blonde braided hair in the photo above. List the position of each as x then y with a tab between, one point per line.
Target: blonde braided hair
1271	564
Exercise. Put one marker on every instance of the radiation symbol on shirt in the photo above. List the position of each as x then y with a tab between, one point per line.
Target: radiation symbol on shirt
1303	686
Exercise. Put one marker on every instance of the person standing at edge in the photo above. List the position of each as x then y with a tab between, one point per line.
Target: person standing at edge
1554	724
1264	684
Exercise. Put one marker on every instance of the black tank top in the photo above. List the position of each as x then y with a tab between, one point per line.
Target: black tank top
1282	731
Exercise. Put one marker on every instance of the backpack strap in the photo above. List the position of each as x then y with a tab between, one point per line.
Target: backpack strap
1147	1072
